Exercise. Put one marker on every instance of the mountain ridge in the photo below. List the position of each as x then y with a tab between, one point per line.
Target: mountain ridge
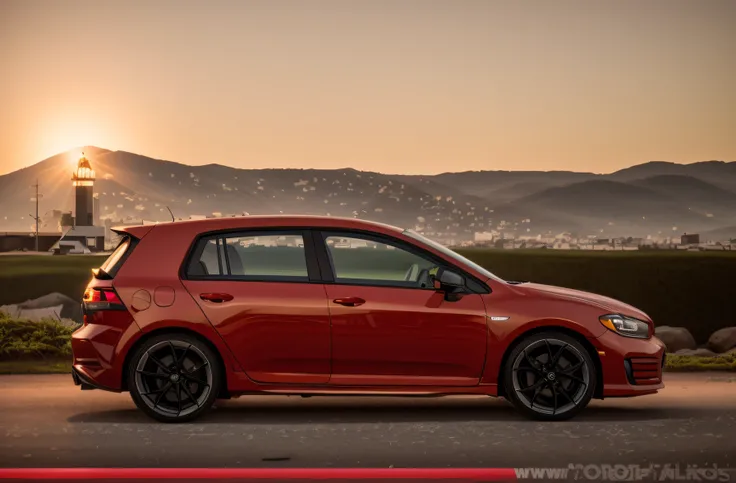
646	199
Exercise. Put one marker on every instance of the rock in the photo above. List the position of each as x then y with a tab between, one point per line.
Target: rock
723	340
10	310
675	338
42	313
696	352
69	323
70	308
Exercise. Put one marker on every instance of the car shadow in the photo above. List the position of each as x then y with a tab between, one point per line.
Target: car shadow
391	410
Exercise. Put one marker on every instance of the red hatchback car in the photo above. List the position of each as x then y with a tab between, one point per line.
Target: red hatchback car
183	313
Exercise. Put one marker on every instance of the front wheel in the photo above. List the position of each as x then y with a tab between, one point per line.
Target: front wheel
549	376
174	377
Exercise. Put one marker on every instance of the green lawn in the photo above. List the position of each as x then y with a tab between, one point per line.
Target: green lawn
24	277
675	362
36	366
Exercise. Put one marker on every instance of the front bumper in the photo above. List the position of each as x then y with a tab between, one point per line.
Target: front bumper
631	367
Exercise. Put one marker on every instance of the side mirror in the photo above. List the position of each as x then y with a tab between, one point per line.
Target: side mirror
451	279
453	284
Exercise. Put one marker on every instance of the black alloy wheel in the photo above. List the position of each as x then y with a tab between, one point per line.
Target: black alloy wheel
549	376
174	377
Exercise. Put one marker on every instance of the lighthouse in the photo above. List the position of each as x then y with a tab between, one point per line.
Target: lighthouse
84	181
82	236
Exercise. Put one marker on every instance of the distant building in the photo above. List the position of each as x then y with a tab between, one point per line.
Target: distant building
484	236
81	239
67	221
690	239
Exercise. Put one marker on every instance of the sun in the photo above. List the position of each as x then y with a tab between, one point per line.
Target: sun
70	130
73	156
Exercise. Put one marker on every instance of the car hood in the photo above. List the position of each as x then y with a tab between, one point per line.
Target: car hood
606	304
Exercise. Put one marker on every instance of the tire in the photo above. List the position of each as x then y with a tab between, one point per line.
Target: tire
174	390
542	388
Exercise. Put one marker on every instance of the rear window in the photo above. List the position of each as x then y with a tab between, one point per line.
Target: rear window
117	257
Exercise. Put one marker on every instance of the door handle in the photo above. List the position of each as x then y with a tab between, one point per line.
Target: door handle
349	301
217	298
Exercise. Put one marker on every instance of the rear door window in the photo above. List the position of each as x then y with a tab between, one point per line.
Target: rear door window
251	256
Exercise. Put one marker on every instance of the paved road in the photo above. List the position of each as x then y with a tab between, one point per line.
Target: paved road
46	421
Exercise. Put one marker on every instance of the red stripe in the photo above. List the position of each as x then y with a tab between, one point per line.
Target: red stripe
477	474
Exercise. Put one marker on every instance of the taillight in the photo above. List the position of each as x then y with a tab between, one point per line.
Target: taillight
112	297
102	299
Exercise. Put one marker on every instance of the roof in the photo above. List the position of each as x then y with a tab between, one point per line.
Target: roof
262	221
86	231
73	243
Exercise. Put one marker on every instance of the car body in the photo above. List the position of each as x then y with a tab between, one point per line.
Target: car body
287	305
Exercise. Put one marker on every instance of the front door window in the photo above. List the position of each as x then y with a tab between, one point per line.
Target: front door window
364	261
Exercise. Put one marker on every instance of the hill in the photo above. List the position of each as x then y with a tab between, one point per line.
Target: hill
697	195
652	198
719	173
721	234
486	183
132	187
607	207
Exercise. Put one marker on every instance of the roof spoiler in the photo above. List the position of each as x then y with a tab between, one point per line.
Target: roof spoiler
136	231
100	274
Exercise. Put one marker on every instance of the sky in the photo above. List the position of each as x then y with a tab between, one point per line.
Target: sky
396	86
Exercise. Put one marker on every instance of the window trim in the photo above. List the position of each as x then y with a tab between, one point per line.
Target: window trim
473	285
221	235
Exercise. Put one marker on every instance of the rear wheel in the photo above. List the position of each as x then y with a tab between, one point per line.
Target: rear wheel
549	376
174	377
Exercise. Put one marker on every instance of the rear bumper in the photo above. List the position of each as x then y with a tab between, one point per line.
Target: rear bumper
99	351
631	367
80	379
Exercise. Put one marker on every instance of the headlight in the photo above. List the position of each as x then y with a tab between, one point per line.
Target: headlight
625	326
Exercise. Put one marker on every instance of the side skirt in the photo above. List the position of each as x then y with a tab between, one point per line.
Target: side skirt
480	390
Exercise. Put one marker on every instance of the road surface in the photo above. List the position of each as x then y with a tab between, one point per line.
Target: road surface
45	421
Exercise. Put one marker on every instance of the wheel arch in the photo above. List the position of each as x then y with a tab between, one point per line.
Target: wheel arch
224	392
592	351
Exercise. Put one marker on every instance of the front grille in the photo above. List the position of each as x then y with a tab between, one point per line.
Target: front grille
641	371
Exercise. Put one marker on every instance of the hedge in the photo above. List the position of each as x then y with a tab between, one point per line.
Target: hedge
26	339
722	362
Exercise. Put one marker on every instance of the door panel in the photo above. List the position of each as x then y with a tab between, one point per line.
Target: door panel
279	332
404	336
258	290
389	325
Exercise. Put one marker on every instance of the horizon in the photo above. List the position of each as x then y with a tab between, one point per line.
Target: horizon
407	87
76	152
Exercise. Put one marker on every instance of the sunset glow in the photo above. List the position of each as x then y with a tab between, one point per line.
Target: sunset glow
400	87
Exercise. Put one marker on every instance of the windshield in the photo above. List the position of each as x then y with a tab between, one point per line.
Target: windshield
454	255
